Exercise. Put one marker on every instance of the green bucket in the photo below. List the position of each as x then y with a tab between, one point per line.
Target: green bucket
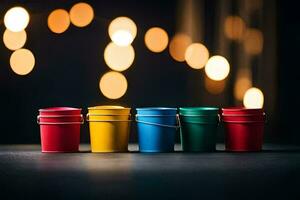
199	126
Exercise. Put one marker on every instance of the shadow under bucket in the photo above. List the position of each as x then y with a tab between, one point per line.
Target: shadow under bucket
199	126
109	128
156	129
60	129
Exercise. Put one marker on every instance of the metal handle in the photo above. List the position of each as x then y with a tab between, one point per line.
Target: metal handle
54	123
264	115
156	124
242	115
116	120
244	122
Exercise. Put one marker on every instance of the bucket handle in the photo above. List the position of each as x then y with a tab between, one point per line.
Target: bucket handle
156	124
117	120
54	123
242	115
264	115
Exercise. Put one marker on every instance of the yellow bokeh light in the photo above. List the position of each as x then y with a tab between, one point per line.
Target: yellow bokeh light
196	55
234	27
22	61
122	31
242	83
14	40
16	19
178	46
214	87
118	58
81	14
217	68
113	85
58	21
253	41
156	39
253	98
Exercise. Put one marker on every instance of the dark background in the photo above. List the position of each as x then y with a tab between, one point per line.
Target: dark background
68	66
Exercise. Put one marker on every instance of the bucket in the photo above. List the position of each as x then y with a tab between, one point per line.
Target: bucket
156	129
60	129
109	128
244	129
199	126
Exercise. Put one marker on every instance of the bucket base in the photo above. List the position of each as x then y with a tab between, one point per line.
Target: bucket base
199	151
243	150
60	151
155	151
111	151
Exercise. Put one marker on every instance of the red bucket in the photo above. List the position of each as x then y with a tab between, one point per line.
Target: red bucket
60	129
244	129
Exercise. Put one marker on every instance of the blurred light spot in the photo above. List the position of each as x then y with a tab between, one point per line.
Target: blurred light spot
58	21
178	45
122	38
113	85
16	19
217	68
196	55
81	14
253	41
118	58
254	98
234	27
253	5
156	39
242	83
214	87
14	40
122	31
22	61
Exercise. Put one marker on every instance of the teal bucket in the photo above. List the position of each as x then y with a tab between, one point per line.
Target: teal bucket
199	127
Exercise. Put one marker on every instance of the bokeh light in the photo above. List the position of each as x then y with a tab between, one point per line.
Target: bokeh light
178	46
253	41
196	55
16	19
14	40
253	98
58	21
242	84
217	68
22	61
214	87
118	58
113	85
122	31
156	39
81	14
234	27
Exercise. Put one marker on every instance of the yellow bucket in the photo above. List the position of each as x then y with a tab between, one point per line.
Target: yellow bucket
109	128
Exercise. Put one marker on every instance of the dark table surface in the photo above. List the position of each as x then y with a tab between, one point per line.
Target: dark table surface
25	173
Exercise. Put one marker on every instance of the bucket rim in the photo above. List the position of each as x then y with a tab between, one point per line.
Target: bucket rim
243	121
59	109
156	108
108	107
233	109
243	115
199	108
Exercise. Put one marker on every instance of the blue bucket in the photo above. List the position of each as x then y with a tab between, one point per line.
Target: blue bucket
156	129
